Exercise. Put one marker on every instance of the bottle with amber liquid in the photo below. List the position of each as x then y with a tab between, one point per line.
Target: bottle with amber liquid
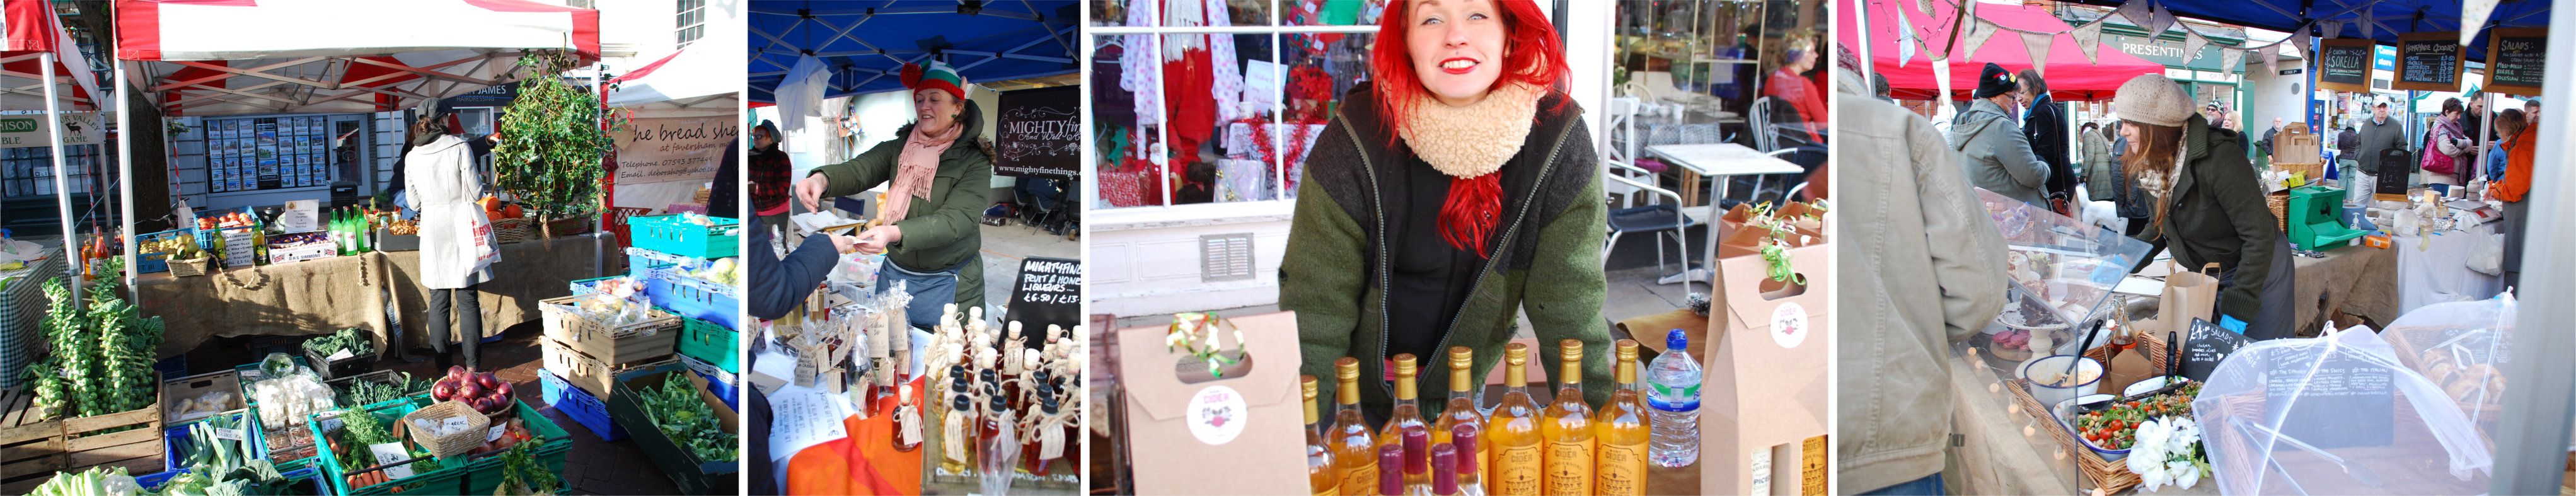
1390	473
1322	476
1621	431
1512	431
1567	427
1470	475
1407	412
1417	461
1461	408
1352	443
1444	470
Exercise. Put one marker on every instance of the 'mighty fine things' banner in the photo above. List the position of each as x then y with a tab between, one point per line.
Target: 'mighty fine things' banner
1040	133
673	149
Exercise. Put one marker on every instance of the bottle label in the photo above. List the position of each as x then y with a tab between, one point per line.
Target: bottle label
1622	469
1683	399
1360	478
1516	470
1569	467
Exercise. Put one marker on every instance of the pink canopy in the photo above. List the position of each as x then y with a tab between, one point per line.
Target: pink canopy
2070	77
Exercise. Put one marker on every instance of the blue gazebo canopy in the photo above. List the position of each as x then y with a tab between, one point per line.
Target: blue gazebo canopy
866	43
2389	18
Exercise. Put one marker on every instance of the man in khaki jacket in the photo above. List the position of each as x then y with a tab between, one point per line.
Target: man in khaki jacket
1924	268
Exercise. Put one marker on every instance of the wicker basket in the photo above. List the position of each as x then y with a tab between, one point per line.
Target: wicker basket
185	268
2280	203
476	427
2311	171
2109	476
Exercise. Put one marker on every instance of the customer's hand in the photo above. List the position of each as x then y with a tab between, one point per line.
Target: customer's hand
810	191
875	239
843	243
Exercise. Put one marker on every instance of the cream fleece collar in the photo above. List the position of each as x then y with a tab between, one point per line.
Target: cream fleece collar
1475	140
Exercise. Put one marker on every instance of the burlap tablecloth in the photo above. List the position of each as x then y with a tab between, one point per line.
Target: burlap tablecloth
321	296
2356	280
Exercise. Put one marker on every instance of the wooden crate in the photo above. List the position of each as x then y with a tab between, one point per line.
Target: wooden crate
31	451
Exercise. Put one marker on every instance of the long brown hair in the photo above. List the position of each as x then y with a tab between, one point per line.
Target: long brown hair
2157	147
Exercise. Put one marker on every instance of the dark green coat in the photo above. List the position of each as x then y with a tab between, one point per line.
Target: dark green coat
2218	215
944	229
1546	257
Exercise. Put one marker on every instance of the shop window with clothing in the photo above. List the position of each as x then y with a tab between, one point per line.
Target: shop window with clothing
1217	101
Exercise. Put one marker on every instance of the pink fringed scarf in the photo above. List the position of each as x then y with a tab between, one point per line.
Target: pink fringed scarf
914	169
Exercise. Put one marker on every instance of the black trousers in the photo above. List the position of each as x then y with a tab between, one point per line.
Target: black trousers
469	314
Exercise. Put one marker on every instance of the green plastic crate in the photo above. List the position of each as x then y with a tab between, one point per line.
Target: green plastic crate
668	234
247	399
483	471
449	478
710	342
253	369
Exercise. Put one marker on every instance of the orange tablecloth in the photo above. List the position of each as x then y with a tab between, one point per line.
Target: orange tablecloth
864	463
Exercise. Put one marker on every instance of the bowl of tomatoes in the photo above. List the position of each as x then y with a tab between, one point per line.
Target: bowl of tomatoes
2109	425
2096	435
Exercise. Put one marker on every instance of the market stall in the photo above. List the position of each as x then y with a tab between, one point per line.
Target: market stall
38	62
361	291
2073	75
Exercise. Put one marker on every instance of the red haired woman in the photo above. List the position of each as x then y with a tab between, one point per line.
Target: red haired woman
1455	190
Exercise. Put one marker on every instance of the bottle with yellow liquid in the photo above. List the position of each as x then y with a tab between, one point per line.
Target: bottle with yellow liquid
1469	475
1407	412
1352	443
1621	430
1567	427
1322	476
1512	431
1461	407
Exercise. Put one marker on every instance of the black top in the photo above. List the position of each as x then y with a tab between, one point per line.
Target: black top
1427	268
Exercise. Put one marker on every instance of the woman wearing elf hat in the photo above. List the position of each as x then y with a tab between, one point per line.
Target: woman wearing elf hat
1454	190
940	175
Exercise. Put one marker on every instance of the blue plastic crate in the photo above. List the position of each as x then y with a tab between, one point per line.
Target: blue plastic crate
175	437
153	481
579	405
691	297
718	381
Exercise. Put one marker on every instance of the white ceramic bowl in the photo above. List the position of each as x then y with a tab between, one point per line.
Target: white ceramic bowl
2051	367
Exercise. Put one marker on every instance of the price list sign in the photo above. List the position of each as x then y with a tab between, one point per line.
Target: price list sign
2343	64
1049	291
2429	62
2515	59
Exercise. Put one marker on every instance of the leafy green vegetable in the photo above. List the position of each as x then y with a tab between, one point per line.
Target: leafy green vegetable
363	392
102	360
678	410
521	473
92	482
345	339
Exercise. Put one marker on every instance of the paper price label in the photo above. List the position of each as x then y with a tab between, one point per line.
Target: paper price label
911	419
230	434
453	424
495	433
246	375
339	355
392	453
1051	444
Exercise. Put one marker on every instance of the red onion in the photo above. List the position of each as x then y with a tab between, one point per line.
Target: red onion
469	389
502	390
456	372
487	379
444	390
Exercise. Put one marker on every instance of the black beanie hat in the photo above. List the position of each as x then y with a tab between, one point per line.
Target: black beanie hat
1995	81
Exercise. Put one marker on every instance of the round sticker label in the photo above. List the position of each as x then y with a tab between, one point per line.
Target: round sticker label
1217	414
1789	325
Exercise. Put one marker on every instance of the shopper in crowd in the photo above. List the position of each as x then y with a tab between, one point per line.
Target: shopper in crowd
770	172
779	285
2520	145
938	175
457	248
2447	148
1457	189
1796	93
2268	134
2209	206
1930	268
1992	148
2134	204
2347	144
2217	114
2474	121
2093	150
2378	134
2045	128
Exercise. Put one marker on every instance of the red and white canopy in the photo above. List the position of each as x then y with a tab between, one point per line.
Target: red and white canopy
32	30
230	57
703	79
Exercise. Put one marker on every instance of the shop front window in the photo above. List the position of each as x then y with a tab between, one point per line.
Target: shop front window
265	153
29	172
1217	101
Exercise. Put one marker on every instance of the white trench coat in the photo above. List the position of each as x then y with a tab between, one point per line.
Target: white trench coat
457	247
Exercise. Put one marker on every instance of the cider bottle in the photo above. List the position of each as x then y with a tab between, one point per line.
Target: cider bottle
1567	426
1469	474
1322	477
1461	409
1407	412
1513	431
1353	444
1622	431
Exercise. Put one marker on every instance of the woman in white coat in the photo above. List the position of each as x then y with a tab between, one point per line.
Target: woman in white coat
457	247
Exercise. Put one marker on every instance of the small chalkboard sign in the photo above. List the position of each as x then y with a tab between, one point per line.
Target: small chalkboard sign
2342	401
2207	345
2429	62
2344	64
2515	59
1048	292
2394	166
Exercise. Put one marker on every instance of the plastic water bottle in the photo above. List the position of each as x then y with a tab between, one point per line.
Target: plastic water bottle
1672	392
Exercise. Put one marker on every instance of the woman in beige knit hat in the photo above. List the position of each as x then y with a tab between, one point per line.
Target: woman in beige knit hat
2209	206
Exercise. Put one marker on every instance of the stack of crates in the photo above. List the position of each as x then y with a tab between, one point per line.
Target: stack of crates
667	255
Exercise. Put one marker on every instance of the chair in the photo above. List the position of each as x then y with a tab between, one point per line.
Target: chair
1663	220
1764	139
1623	152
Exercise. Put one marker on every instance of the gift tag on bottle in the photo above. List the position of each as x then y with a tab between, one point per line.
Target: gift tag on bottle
391	453
1051	444
911	419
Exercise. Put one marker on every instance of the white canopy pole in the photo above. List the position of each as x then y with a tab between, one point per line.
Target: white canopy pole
2532	436
62	185
599	215
125	134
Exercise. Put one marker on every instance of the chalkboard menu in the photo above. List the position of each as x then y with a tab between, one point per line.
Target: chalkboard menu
2205	346
2515	58
1048	292
2344	64
1039	132
2341	402
2429	62
2394	167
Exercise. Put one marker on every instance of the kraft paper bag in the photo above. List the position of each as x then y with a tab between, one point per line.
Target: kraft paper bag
2188	295
1234	435
1764	401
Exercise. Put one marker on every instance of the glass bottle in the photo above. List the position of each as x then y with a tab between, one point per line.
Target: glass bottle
1352	441
1461	408
1622	431
1390	475
1567	426
1036	447
1513	430
1444	470
1469	477
915	429
1323	478
1000	448
956	452
1407	413
1417	461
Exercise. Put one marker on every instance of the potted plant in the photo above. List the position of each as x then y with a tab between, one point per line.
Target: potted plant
555	143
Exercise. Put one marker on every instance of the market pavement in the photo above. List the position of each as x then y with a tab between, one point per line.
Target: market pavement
1005	246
